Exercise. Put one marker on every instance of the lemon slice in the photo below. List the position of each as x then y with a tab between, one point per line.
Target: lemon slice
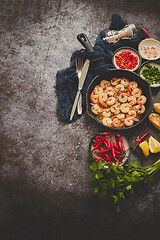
145	148
154	145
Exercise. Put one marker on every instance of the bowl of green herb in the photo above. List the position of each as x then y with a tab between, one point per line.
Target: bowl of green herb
150	71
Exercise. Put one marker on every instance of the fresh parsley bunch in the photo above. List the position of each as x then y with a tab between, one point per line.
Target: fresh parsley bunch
117	181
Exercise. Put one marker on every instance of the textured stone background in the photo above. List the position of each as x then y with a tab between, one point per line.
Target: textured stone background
45	189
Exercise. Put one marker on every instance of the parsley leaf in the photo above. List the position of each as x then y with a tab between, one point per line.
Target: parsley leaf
117	181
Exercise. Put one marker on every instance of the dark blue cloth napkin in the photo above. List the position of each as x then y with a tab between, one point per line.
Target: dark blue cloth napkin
100	62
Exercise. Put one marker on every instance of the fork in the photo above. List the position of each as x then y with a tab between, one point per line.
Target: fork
79	65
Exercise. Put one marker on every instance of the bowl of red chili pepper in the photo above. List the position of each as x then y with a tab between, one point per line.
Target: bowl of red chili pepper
109	147
126	58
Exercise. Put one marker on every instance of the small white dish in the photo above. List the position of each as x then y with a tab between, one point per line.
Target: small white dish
153	64
147	47
130	50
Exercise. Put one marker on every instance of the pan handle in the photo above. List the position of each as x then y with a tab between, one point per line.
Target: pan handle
83	39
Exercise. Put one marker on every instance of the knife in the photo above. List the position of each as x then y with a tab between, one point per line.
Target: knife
80	85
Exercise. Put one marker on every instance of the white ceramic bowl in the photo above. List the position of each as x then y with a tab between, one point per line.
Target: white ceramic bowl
126	49
125	143
149	42
153	64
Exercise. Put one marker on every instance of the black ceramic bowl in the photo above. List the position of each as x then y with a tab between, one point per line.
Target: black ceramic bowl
131	76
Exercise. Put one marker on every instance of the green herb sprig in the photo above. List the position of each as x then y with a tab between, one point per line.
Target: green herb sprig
117	181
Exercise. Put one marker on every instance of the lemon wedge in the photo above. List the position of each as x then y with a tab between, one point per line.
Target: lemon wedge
154	145
145	148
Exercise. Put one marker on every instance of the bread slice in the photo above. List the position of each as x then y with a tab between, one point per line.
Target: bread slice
157	107
154	118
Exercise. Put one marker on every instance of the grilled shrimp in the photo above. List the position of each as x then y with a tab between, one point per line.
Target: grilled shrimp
140	109
137	92
111	101
95	108
133	85
129	121
107	121
103	99
104	84
119	88
121	116
98	89
141	100
125	107
115	81
115	108
122	97
132	113
110	90
117	123
132	100
94	97
125	82
106	112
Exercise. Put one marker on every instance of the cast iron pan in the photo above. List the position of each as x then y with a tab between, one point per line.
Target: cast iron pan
131	76
83	39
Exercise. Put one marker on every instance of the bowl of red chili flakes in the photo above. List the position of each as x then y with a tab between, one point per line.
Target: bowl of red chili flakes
126	58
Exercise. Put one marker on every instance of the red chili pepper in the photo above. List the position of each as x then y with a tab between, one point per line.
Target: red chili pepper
118	156
97	138
112	149
94	142
98	159
144	30
120	140
108	163
99	143
117	160
107	142
118	152
106	157
141	138
114	158
104	150
120	162
113	154
121	143
117	141
109	133
116	146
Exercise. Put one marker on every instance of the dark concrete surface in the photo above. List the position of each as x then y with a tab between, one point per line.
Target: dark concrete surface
45	189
